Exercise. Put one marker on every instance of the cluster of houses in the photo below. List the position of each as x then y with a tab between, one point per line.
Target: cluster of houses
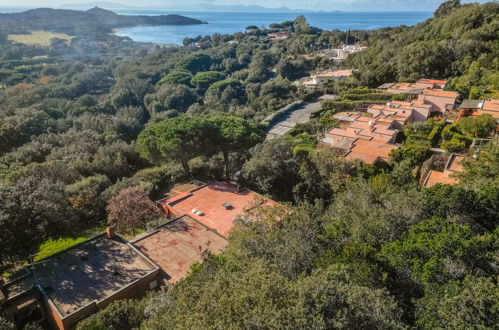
61	290
371	136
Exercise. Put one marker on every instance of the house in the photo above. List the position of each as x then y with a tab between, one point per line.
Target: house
365	138
432	83
439	100
316	79
215	205
278	36
177	245
402	112
452	166
413	88
72	284
340	54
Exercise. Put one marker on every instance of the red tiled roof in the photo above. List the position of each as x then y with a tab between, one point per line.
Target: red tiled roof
440	93
436	177
370	151
431	81
209	200
179	244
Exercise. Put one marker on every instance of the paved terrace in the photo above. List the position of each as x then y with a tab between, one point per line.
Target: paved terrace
91	271
177	245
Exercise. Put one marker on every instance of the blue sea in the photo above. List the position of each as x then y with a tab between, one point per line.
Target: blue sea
231	22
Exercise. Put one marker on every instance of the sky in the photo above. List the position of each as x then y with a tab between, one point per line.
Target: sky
327	5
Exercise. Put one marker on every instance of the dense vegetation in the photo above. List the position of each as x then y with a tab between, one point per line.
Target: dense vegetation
87	124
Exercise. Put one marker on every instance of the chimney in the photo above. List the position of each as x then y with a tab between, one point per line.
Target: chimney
110	232
371	125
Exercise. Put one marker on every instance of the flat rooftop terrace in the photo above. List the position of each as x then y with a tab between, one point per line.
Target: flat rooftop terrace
210	199
177	245
90	271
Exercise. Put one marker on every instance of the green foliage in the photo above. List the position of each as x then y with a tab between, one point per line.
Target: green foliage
176	77
203	80
51	246
415	153
123	314
4	324
479	127
470	303
437	250
196	63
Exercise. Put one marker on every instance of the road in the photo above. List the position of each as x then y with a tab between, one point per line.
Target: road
298	116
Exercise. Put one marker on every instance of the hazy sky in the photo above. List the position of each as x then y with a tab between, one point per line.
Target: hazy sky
360	5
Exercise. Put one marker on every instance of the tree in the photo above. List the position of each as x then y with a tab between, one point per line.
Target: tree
203	80
170	97
131	209
470	303
225	93
179	76
437	250
446	7
32	210
479	127
196	63
273	168
233	134
121	314
181	138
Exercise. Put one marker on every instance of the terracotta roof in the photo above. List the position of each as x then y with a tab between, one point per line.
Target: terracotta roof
454	163
431	81
177	245
209	200
440	93
370	151
491	105
436	177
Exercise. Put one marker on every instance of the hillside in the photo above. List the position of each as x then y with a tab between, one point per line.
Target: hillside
79	22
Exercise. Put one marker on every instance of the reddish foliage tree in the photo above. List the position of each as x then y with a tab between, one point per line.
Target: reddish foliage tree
130	209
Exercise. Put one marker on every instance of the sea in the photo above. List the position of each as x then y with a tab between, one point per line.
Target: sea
231	22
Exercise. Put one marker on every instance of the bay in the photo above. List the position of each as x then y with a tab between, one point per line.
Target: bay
231	22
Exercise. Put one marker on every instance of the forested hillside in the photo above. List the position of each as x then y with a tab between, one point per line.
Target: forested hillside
460	42
73	22
355	246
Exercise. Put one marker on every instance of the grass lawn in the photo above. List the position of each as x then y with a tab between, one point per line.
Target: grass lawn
38	37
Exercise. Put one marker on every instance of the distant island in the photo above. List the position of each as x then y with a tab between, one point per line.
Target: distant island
178	6
73	22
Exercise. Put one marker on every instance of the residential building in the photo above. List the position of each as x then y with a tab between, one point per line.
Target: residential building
413	88
452	166
316	79
440	100
215	205
278	36
177	245
340	54
70	285
402	112
77	282
365	138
